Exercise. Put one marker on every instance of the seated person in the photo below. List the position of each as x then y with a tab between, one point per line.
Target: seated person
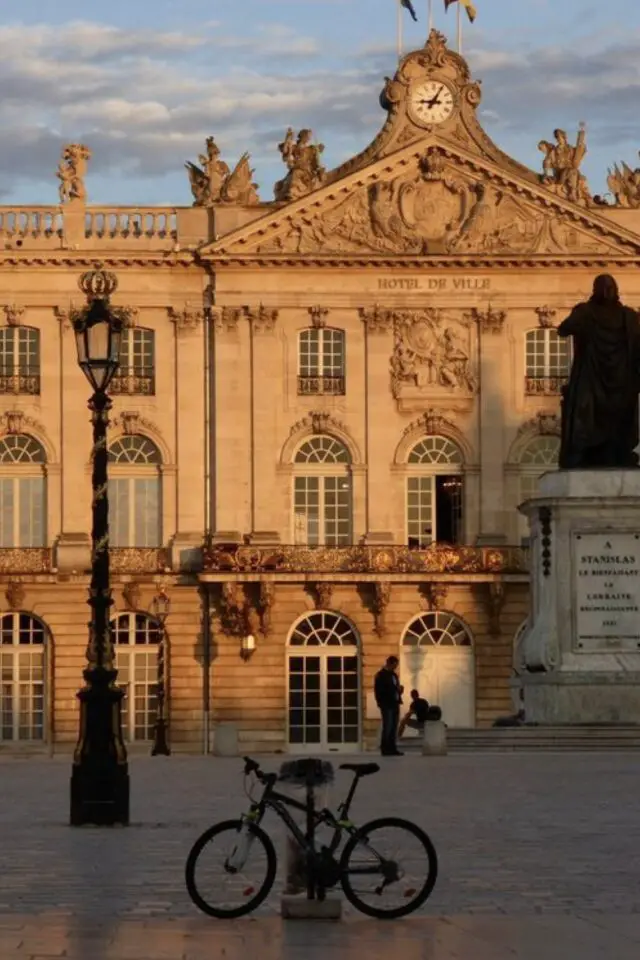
418	713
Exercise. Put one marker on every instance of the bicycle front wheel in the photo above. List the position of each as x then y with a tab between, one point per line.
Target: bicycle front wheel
231	869
388	868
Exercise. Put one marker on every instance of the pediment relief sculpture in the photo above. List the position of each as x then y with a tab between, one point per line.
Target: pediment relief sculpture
561	166
431	354
302	158
436	209
624	184
214	182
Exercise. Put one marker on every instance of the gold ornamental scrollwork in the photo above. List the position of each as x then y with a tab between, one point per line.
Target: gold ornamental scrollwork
138	560
363	559
25	560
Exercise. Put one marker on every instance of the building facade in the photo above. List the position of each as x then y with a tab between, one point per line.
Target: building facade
328	409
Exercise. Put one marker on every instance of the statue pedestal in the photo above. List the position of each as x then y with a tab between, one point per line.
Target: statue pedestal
579	658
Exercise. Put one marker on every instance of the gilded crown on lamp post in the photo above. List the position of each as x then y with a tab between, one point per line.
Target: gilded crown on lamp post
98	284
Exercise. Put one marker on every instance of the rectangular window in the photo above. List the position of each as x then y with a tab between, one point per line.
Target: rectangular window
337	511
146	512
31	495
19	360
321	362
136	373
420	518
7	532
547	362
119	512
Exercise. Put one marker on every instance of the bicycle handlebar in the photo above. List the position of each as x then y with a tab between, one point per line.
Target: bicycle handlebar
252	766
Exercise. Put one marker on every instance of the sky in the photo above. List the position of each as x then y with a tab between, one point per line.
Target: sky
144	83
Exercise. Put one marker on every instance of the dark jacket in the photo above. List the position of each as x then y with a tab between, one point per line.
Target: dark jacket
386	689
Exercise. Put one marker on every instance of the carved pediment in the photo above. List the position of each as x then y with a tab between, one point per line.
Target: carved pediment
437	200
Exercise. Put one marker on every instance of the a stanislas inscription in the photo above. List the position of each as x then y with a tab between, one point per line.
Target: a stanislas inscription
607	591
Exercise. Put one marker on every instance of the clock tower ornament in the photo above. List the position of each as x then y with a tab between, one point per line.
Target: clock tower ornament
430	102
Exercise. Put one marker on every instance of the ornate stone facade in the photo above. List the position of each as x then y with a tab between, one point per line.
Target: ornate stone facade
348	391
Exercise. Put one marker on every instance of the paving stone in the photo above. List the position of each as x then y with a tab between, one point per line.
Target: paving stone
533	850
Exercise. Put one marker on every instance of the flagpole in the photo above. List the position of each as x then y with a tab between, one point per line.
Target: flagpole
459	9
400	15
430	15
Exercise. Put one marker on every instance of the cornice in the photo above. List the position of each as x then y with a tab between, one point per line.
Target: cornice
43	259
372	262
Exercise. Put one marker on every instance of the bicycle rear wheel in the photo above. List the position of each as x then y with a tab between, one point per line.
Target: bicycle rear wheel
372	868
237	856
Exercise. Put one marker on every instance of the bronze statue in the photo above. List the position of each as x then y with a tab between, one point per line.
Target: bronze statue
600	402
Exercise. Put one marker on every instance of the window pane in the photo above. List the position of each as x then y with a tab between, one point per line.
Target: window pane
32	511
309	353
146	512
119	513
7	351
420	518
306	498
333	343
7	514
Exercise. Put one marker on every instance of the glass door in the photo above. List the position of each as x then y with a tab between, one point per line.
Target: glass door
324	702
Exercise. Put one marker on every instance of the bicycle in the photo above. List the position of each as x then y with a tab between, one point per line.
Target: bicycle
324	870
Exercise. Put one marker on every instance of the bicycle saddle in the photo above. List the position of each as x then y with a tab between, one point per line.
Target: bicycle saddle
360	769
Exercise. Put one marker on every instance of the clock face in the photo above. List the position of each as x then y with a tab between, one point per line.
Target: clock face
431	102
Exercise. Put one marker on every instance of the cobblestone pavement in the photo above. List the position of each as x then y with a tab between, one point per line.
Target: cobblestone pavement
539	855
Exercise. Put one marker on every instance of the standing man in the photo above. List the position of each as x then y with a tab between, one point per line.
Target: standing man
388	694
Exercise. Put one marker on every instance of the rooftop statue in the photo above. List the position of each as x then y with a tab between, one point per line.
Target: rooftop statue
600	402
302	157
624	184
71	171
561	166
213	181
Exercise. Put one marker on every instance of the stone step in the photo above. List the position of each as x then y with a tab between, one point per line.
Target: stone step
605	737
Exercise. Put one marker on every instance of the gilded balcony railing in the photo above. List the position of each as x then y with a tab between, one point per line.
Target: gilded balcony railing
360	559
139	559
544	386
133	380
321	386
25	560
19	381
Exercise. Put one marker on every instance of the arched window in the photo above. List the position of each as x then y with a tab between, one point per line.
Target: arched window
547	361
22	492
438	628
136	637
324	683
322	493
321	361
434	493
136	373
19	360
22	677
135	502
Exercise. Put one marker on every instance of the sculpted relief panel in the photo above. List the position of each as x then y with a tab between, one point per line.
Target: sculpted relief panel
438	209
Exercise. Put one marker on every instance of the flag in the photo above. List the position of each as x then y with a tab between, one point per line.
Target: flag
409	6
472	13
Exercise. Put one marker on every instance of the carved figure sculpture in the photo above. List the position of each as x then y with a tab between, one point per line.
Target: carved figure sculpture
71	171
302	158
428	353
624	184
213	182
600	402
561	166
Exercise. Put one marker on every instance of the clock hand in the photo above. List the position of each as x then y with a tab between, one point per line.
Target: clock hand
435	100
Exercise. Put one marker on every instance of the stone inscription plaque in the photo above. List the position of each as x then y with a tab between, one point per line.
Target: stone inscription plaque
607	592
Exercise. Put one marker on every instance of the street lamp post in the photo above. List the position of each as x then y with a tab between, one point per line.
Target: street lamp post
100	776
160	609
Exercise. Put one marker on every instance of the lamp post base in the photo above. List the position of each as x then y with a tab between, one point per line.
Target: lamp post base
100	775
160	744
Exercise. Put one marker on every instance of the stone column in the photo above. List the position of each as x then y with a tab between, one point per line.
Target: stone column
381	437
491	417
190	447
231	423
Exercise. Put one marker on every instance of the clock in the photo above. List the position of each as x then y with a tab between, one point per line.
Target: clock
431	102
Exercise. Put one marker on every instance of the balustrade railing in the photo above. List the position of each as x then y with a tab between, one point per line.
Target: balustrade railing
321	386
544	386
133	381
159	224
19	223
19	381
25	560
360	559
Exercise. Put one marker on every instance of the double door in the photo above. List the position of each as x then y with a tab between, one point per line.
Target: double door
324	700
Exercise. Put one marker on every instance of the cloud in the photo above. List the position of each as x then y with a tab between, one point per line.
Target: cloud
145	100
